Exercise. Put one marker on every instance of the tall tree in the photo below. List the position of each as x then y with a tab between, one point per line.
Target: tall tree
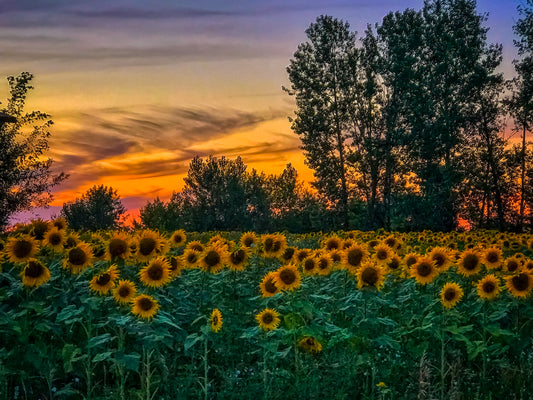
521	100
320	79
99	208
26	178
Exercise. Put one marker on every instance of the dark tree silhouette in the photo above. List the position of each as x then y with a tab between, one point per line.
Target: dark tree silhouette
99	208
26	178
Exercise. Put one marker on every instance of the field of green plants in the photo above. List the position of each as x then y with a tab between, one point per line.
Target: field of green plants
225	315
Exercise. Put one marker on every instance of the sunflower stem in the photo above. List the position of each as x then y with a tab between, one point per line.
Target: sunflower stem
265	376
443	355
206	370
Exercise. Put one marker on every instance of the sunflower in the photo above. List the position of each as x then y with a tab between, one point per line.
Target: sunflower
512	265
310	344
492	258
156	274
354	256
124	292
175	266
178	238
35	273
392	242
382	254
239	259
287	277
78	258
214	258
451	294
332	243
470	263
216	320
150	244
71	240
441	258
394	263
60	223
39	228
528	264
145	306
336	256
370	275
273	245
268	285
268	319
410	259
21	249
249	240
324	264
309	266
118	246
302	254
288	255
220	241
371	244
105	281
488	288
520	285
424	270
191	258
195	245
98	244
55	239
347	243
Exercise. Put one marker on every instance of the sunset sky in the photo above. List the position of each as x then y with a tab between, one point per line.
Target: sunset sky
137	88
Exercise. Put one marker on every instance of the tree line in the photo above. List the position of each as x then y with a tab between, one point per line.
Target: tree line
402	127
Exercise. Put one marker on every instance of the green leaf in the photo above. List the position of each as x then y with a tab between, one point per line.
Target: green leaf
130	361
102	356
70	354
98	340
191	340
387	341
69	313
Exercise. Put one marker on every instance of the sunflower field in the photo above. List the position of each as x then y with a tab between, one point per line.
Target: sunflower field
226	315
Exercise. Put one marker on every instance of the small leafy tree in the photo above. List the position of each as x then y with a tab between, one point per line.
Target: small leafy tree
99	208
25	174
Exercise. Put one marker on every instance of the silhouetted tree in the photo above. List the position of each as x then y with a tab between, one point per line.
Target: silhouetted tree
320	75
520	102
25	175
99	208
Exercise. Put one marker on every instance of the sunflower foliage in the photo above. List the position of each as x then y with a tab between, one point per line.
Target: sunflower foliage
370	315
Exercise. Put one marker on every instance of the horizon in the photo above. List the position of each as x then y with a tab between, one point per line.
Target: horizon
136	91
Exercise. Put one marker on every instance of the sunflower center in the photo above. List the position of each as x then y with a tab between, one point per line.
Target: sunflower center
390	242
71	242
287	276
394	264
237	257
173	264
288	253
191	258
410	261
354	257
197	247
373	243
269	243
215	319
145	304
439	260
521	282
382	254
54	239
323	263
370	276
270	286
309	265
103	279
155	272
449	294
424	269
470	262
39	230
488	287
212	258
124	291
77	256
33	270
276	246
147	246
336	257
22	248
332	245
268	318
492	257
302	255
178	239
117	247
512	266
310	342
